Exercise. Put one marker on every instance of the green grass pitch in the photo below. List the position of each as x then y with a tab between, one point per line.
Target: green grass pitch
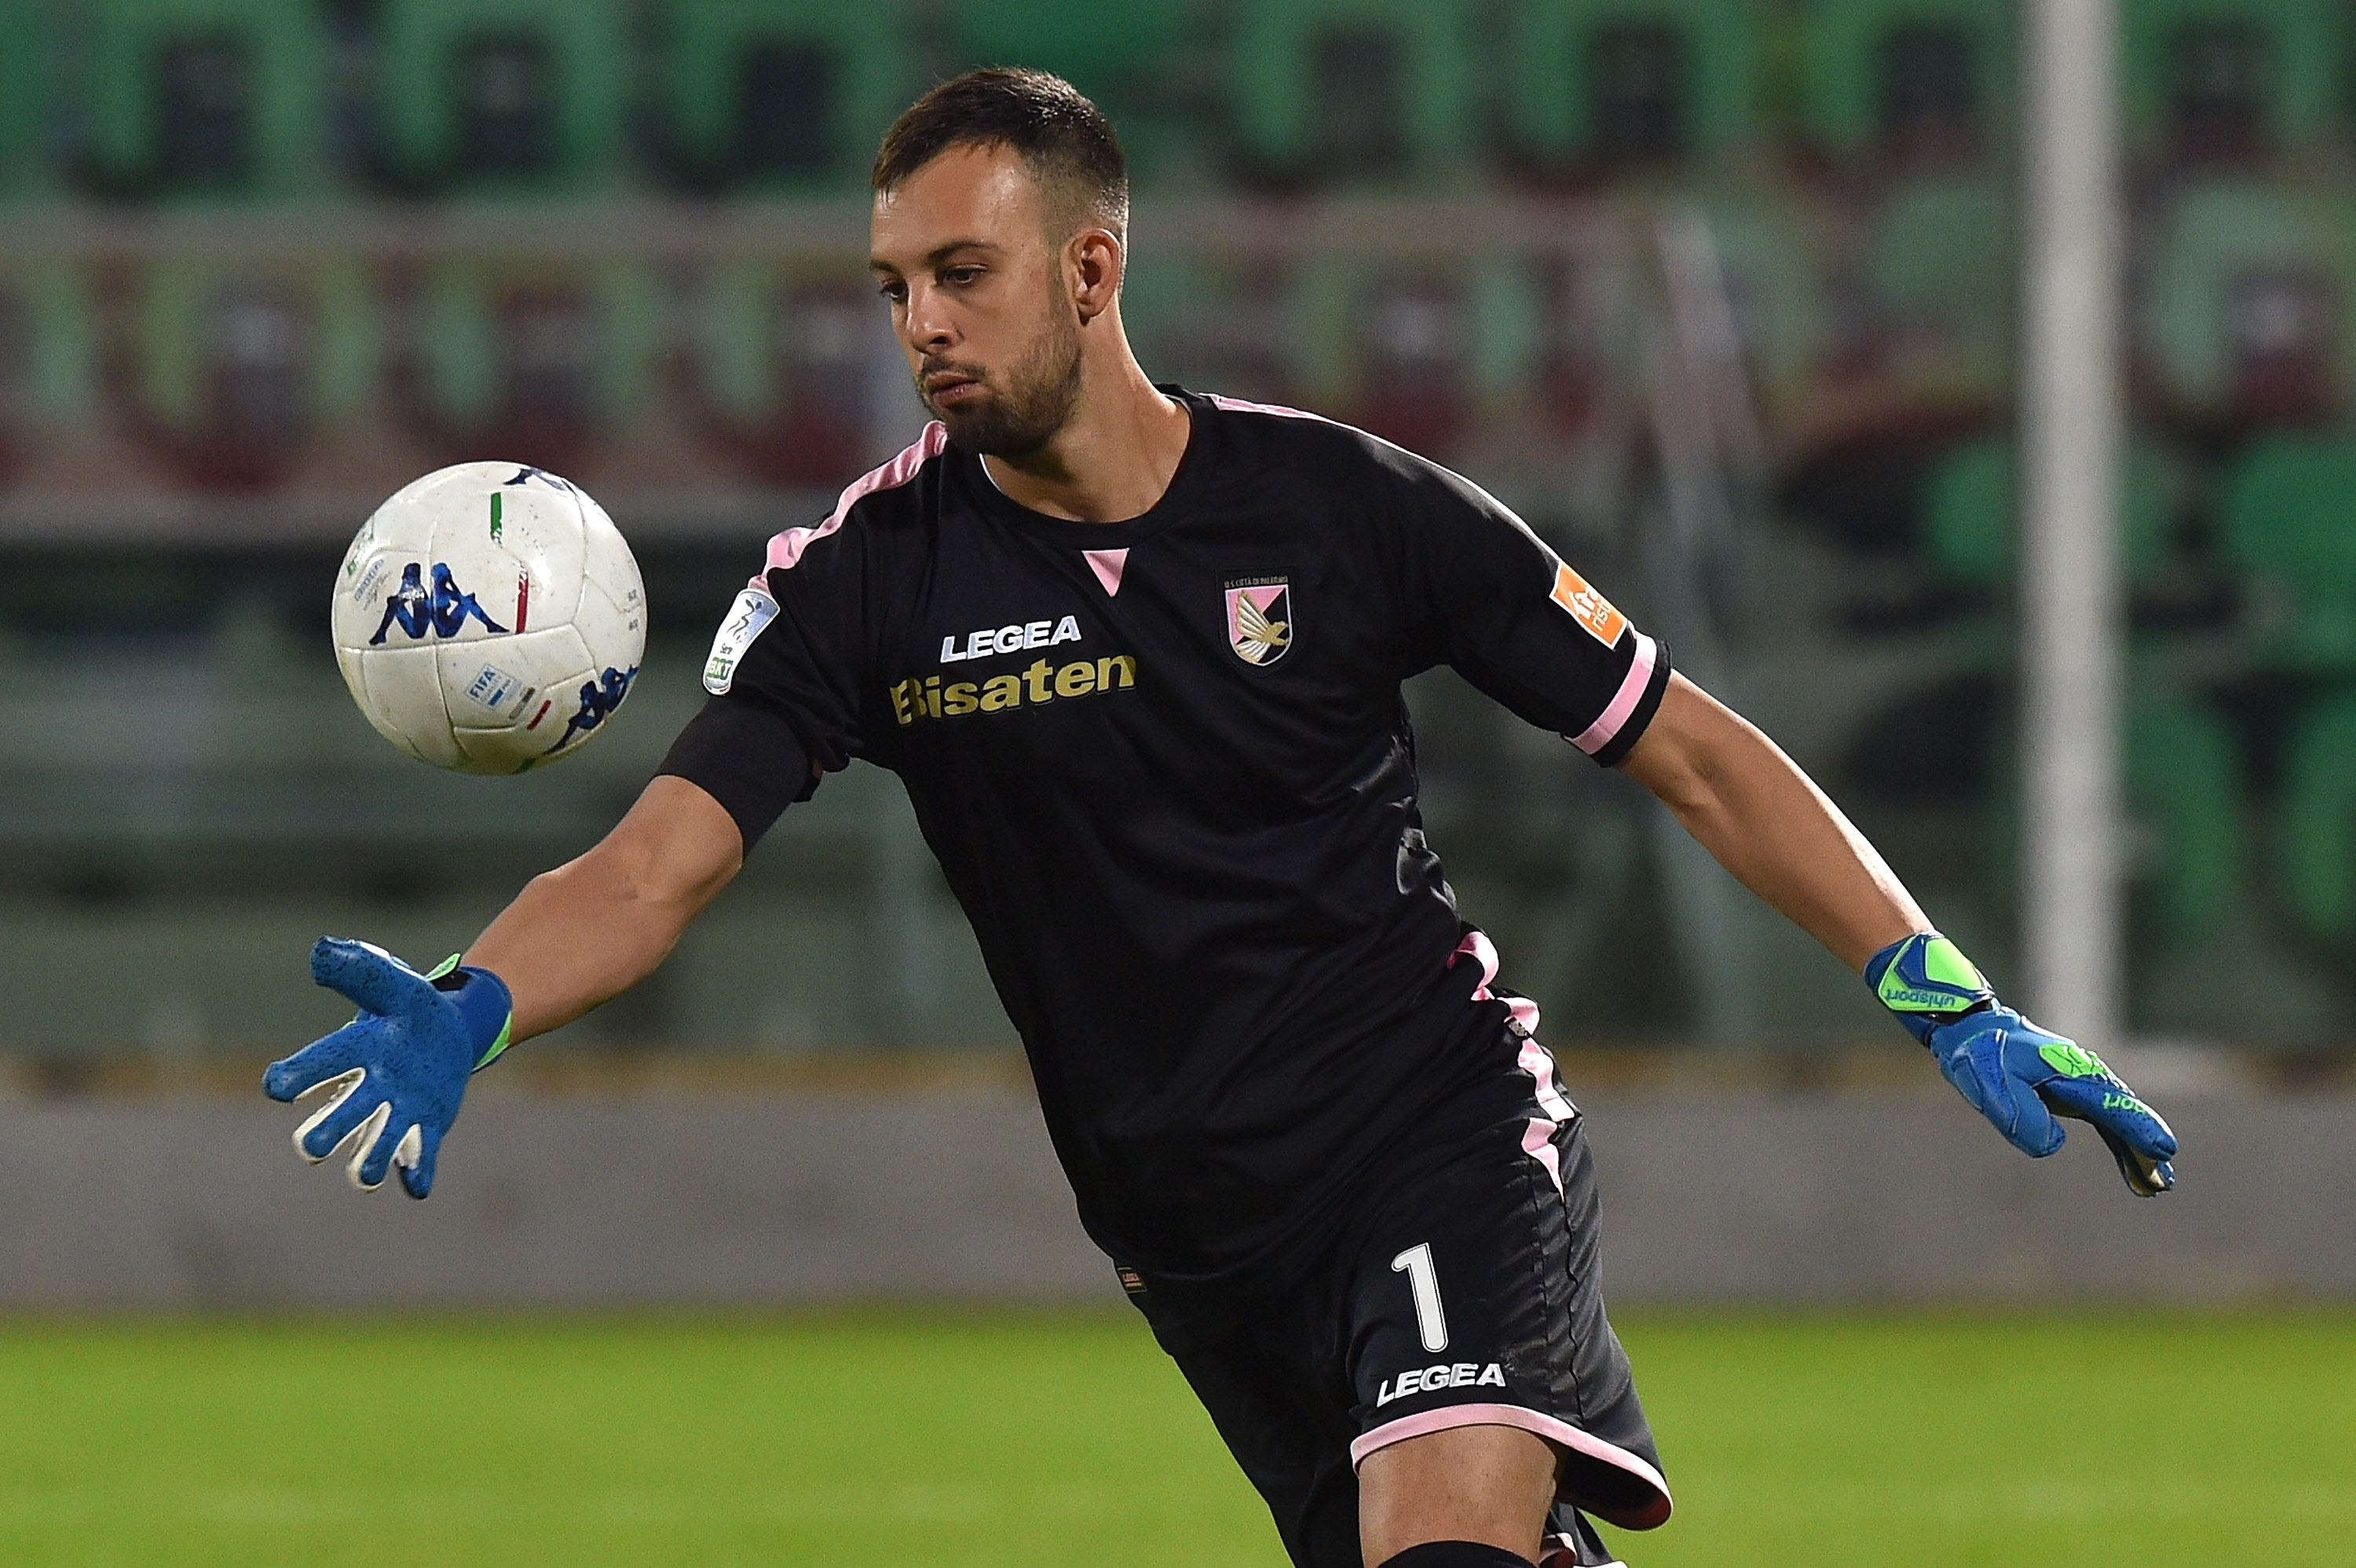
901	1437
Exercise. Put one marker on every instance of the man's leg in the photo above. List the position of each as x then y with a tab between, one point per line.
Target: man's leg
1490	1485
1253	1367
1483	1364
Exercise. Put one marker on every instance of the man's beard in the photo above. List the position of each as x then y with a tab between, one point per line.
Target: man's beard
1023	416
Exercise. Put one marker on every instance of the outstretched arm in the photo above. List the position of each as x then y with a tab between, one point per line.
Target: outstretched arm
580	935
1752	808
586	932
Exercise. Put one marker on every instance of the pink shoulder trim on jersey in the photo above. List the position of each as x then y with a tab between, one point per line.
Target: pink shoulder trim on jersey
1562	1434
1107	564
1614	718
1238	405
785	549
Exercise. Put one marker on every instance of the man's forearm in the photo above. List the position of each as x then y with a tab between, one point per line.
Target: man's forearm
1766	822
584	933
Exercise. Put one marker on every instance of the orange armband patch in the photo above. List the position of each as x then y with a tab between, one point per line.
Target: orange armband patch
1586	607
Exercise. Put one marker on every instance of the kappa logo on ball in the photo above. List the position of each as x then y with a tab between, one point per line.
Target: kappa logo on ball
1259	619
441	613
1586	607
599	700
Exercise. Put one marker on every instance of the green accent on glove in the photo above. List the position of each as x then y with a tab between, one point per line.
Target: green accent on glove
2075	1060
1943	965
505	1030
1945	962
497	1045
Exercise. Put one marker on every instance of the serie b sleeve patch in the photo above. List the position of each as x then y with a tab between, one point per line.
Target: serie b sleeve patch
747	618
1586	606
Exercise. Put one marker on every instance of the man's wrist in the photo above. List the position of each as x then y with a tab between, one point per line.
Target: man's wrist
484	1003
1926	982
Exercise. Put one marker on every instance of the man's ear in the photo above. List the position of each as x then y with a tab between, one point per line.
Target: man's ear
1094	259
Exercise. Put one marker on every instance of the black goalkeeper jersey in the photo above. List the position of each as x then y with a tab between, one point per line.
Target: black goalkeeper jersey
1167	769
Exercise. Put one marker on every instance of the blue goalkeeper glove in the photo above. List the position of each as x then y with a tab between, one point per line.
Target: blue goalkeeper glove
2017	1075
401	1064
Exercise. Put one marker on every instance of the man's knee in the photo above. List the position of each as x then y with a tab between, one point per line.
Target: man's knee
1493	1484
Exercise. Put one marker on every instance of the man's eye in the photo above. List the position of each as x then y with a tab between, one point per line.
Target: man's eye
895	292
962	276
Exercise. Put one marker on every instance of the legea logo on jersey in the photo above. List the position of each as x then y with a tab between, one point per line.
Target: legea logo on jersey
1431	1379
987	640
1260	618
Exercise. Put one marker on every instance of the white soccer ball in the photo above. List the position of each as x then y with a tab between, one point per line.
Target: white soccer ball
488	618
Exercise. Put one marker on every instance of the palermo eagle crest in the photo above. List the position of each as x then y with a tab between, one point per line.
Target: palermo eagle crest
1259	619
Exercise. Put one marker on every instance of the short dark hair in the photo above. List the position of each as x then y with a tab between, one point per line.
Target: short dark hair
1064	140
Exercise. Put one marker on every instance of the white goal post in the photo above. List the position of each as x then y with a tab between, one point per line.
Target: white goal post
2072	610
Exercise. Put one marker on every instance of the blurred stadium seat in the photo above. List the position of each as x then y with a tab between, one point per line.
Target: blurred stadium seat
1581	340
516	98
1412	337
2212	83
1152	65
2185	792
2184	775
503	95
2315	858
1327	91
1110	52
1968	523
48	355
1910	103
2289	516
1939	259
1385	345
1602	85
2245	312
30	53
1773	269
779	95
1907	86
214	98
531	361
238	369
1217	324
781	365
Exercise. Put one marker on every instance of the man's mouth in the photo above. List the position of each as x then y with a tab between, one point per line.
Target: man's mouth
947	388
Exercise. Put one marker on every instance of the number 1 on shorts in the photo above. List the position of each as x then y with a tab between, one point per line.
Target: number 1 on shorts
1429	1320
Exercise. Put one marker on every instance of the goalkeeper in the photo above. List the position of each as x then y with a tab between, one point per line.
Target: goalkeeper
1135	653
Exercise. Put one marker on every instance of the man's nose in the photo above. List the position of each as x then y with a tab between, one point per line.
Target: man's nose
928	327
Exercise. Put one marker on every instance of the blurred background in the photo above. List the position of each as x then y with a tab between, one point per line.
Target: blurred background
1721	296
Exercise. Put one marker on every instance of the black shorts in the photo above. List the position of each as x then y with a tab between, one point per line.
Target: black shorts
1460	1289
